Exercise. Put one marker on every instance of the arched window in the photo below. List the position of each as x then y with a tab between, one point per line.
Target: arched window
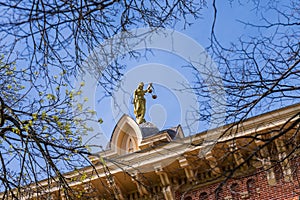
188	198
130	146
251	187
203	196
234	190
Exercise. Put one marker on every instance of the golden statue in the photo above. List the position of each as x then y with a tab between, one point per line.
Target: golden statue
139	102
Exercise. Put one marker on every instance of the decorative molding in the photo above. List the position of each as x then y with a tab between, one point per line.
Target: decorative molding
189	173
284	162
213	163
165	181
137	179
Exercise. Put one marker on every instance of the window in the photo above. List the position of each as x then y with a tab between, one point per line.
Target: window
203	196
234	190
130	146
251	186
188	198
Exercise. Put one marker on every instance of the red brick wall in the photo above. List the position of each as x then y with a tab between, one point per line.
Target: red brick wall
254	187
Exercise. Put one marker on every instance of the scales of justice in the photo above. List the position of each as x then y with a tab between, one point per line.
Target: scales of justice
139	101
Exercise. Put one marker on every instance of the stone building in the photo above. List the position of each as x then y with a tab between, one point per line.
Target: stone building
255	159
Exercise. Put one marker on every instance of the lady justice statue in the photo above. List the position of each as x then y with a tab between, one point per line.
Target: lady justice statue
139	102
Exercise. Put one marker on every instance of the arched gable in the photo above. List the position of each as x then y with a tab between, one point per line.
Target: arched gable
126	136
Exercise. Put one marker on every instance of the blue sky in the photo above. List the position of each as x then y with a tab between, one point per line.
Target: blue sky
166	110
